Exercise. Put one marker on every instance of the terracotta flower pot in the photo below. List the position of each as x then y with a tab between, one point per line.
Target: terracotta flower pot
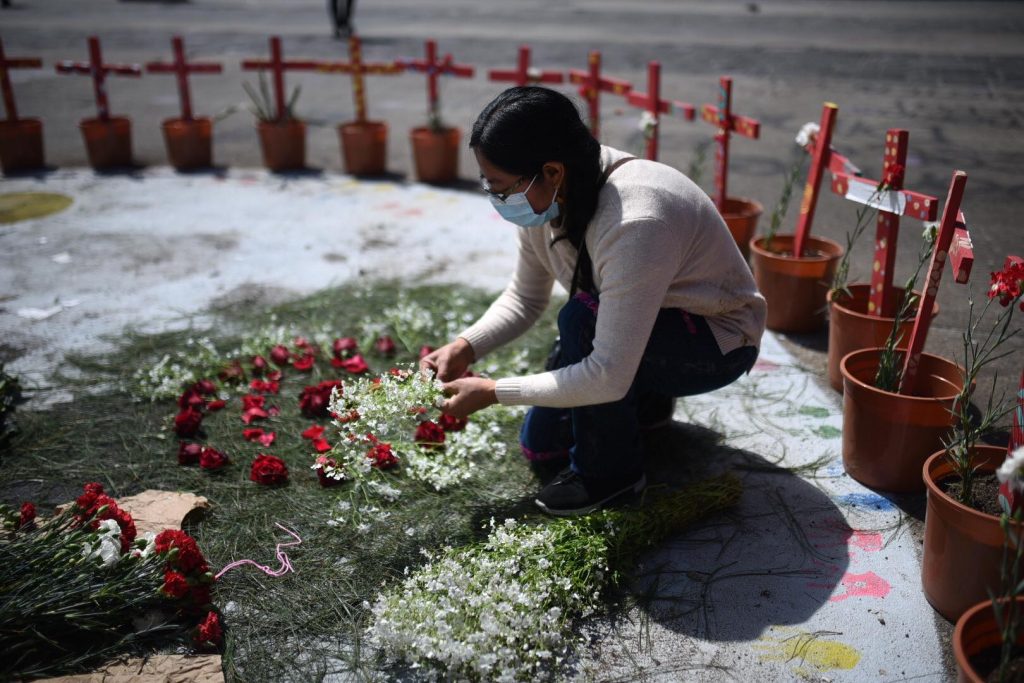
283	144
850	327
963	547
21	145
189	143
977	631
436	154
364	147
888	436
741	216
108	143
795	288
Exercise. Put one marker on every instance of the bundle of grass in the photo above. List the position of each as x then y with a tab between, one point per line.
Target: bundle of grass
503	609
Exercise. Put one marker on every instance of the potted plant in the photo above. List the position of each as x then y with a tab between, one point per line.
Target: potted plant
963	538
364	142
435	147
794	285
987	641
21	144
282	135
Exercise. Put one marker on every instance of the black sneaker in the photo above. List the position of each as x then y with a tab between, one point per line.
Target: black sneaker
655	410
570	494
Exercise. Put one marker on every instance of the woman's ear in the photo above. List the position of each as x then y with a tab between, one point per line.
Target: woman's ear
554	173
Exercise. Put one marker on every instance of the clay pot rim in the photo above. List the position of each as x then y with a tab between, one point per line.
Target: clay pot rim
753	208
874	389
427	130
22	121
756	247
958	635
96	121
285	123
362	124
178	121
867	316
933	462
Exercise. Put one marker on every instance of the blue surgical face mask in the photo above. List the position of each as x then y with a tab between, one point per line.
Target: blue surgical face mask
516	208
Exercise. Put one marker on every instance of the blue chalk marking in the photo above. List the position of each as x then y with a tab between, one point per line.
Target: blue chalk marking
866	500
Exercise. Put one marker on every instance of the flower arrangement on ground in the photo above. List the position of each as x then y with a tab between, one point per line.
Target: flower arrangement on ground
80	587
503	609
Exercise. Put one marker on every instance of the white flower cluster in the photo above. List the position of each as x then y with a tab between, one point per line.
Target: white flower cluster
648	123
387	405
415	324
1012	470
496	611
167	377
107	547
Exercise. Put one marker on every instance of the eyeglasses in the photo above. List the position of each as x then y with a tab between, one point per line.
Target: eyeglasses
501	196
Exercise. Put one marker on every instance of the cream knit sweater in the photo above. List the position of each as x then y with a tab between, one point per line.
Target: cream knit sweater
656	241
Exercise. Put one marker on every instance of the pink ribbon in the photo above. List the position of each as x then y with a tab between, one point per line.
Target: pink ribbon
282	557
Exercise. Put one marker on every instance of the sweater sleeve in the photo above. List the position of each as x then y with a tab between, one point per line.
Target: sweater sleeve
636	265
518	307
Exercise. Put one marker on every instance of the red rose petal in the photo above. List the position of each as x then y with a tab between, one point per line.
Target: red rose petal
214	406
274	411
254	414
267	438
313	432
355	365
321	445
304	364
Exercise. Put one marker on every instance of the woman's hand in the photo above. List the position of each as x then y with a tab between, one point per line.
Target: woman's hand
450	361
468	395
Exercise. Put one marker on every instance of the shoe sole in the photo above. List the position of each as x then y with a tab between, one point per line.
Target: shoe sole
633	488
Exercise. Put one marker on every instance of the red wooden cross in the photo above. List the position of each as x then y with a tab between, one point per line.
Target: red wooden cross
277	65
952	233
5	79
358	68
820	158
592	85
434	67
652	103
892	201
181	68
524	74
98	70
727	123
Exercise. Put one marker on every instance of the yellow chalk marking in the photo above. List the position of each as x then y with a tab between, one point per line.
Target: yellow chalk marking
877	266
23	206
806	649
871	307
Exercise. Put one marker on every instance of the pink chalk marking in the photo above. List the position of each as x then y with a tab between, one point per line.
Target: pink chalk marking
282	557
766	366
867	585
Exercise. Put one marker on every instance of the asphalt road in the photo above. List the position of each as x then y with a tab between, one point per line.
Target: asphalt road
952	73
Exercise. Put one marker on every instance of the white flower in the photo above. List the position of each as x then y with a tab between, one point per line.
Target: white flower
930	232
145	545
808	132
108	544
647	122
1012	470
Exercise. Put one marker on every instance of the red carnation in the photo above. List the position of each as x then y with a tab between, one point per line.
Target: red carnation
304	364
254	414
429	434
1006	284
381	455
425	351
232	372
189	559
205	387
321	445
175	584
253	401
28	515
191	398
212	459
274	376
259	364
214	406
188	453
450	423
269	387
302	343
268	470
92	491
354	365
280	355
313	400
385	345
344	346
209	632
188	422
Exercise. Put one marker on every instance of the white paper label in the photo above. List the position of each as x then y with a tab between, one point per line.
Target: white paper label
892	201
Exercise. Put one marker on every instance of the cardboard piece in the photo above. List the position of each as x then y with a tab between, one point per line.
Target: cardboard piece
155	669
155	510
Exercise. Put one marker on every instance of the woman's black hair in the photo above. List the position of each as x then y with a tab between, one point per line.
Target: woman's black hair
527	126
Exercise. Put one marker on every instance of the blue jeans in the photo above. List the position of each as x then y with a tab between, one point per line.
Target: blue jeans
603	441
